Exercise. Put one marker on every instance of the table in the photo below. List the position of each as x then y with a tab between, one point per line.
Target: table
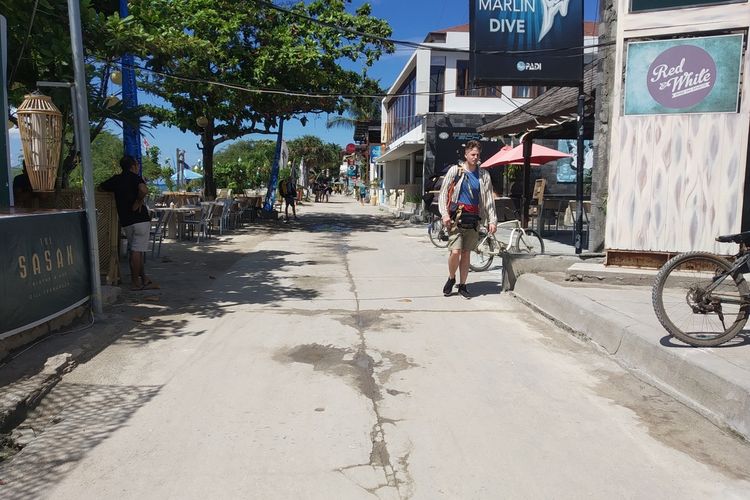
177	215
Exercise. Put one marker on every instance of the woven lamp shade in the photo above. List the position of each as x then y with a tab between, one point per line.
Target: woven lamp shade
40	124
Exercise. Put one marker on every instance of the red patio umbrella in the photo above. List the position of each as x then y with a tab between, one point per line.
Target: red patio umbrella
539	156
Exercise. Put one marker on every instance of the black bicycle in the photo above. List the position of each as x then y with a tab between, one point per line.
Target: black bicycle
437	231
703	299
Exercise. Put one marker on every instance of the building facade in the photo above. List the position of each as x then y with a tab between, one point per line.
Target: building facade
432	108
678	152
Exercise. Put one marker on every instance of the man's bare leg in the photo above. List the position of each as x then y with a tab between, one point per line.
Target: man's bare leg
136	269
464	266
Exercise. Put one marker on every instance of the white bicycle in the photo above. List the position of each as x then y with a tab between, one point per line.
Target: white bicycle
510	237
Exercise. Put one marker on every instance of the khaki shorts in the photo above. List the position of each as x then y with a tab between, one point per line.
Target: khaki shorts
137	235
462	239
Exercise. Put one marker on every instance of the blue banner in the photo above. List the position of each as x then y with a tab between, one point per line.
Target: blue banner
686	75
526	41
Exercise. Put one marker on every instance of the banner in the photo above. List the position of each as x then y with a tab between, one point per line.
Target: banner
375	152
526	41
687	75
44	264
641	5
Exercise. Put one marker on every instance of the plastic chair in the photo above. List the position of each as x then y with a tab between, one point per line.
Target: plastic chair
156	234
203	223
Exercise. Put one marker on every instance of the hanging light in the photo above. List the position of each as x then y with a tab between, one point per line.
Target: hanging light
111	101
40	126
202	121
116	77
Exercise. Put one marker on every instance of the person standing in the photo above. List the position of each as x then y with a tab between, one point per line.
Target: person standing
466	200
362	192
288	191
130	190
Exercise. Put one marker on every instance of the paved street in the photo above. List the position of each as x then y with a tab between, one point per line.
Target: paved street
319	359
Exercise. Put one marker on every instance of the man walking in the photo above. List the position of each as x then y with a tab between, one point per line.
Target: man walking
289	192
466	201
130	190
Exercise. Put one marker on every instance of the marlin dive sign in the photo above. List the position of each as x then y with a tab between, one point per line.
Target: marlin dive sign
511	41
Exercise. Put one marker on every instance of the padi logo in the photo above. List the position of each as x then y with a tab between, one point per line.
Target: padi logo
526	66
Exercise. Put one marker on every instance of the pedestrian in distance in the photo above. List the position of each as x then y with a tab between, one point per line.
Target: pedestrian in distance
130	190
466	200
288	191
362	192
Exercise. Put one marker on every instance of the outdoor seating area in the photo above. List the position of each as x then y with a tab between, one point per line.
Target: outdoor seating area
186	216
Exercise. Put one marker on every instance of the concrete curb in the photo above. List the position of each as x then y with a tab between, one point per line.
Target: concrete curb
25	396
712	386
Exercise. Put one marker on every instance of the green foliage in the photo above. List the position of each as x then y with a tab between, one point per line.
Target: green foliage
247	45
46	56
106	151
255	158
318	155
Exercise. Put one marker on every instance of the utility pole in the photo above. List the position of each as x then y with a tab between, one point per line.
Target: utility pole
87	169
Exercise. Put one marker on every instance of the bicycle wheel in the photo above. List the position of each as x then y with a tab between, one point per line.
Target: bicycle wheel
530	243
480	259
438	233
690	312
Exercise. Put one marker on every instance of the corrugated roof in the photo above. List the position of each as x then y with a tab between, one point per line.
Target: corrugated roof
555	104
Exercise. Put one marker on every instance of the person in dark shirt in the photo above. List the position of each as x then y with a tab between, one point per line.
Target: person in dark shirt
22	190
130	191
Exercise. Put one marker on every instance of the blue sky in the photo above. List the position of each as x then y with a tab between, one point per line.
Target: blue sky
410	19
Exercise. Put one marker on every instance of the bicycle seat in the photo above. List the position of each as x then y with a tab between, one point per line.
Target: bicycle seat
735	238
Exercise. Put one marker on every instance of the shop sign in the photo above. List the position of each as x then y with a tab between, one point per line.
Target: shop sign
44	268
517	42
643	5
689	75
450	144
375	153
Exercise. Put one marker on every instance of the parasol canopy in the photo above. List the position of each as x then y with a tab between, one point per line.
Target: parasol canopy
539	156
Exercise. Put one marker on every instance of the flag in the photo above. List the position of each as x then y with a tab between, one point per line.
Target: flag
146	144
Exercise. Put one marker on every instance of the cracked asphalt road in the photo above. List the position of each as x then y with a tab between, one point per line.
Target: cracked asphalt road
321	361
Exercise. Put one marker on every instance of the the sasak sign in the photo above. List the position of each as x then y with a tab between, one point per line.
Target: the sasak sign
643	5
44	268
687	75
526	41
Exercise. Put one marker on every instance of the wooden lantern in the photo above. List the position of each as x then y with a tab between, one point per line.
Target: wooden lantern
40	124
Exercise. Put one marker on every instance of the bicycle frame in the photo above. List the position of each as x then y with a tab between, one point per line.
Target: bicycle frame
740	261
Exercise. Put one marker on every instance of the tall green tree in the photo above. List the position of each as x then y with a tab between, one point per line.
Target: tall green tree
317	155
39	49
246	46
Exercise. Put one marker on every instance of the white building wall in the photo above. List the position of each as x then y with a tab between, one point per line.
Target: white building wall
676	181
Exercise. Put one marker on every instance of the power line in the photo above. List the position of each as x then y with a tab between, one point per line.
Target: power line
291	93
417	45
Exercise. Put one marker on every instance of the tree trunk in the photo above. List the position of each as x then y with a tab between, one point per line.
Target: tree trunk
207	140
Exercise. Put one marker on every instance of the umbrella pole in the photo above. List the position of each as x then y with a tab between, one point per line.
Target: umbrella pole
579	171
527	143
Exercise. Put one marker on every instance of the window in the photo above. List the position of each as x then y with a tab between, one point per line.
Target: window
437	87
464	87
402	109
527	92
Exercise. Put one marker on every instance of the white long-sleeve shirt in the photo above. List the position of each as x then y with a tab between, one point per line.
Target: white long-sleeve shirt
486	202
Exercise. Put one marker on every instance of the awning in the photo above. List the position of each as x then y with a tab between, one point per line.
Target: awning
551	115
402	150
